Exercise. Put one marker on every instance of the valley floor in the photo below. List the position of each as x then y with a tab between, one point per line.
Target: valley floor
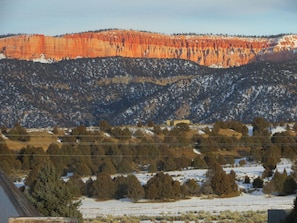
246	202
254	201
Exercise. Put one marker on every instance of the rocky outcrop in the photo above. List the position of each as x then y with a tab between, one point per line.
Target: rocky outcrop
215	51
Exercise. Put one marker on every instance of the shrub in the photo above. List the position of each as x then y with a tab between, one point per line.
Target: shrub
247	180
18	133
162	186
258	183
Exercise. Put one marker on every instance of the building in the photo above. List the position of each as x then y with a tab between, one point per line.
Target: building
12	202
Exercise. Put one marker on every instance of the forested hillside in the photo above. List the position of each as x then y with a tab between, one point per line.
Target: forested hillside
128	91
110	150
102	162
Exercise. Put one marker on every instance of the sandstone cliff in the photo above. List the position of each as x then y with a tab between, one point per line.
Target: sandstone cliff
215	51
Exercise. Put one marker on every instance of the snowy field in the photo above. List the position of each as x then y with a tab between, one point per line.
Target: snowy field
255	201
245	202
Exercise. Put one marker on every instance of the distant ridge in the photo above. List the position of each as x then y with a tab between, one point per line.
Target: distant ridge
127	91
208	50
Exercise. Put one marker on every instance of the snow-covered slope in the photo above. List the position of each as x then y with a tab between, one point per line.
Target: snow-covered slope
124	91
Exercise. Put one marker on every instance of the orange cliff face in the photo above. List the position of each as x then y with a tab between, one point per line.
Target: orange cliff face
217	51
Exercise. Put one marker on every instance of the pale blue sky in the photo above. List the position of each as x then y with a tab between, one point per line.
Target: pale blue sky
239	17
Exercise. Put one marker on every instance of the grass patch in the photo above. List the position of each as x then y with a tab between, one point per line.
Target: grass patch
199	217
37	139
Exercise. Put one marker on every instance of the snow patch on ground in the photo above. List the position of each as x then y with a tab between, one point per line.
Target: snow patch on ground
2	56
254	201
246	202
43	59
278	129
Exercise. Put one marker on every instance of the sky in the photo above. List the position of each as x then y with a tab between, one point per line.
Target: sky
232	17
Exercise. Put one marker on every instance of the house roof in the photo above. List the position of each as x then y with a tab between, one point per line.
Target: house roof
17	199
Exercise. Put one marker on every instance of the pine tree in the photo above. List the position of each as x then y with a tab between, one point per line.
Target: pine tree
199	163
258	183
152	168
169	164
289	185
292	217
51	196
260	126
278	181
222	184
18	133
104	187
135	190
121	187
162	186
191	187
105	126
107	166
8	160
294	170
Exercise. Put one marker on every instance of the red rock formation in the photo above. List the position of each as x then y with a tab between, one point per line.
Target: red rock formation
216	51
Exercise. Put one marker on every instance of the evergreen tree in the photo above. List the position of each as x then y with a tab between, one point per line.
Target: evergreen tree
115	154
270	159
161	186
247	179
292	217
294	170
182	162
289	185
31	157
199	163
107	166
295	127
56	130
191	187
222	184
135	190
121	187
169	164
258	183
278	180
152	168
157	130
103	188
18	133
97	154
50	195
8	161
260	127
151	191
286	143
105	126
89	189
124	166
269	188
77	186
54	154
